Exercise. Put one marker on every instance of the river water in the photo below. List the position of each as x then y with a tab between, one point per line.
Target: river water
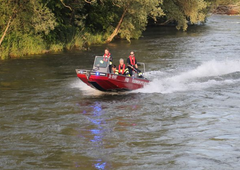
186	118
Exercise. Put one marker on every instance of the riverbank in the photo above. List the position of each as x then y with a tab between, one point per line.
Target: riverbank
227	9
38	46
32	27
81	35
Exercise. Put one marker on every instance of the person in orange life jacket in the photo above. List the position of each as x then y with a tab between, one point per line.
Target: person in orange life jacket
132	65
122	68
107	56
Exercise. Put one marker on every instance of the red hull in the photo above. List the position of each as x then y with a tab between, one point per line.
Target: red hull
111	82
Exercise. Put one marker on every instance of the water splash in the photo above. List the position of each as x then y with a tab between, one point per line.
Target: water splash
202	77
86	90
89	91
193	79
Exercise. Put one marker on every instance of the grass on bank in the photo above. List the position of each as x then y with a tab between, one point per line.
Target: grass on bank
16	46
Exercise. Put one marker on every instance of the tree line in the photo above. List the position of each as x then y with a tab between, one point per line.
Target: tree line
38	26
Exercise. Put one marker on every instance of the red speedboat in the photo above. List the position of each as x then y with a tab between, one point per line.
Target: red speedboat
100	78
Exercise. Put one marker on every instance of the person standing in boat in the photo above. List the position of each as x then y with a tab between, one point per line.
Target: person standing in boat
132	65
107	56
122	69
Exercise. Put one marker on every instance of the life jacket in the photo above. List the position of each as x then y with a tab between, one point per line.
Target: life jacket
132	60
105	56
121	71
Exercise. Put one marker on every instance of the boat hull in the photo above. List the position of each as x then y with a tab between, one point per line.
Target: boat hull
108	82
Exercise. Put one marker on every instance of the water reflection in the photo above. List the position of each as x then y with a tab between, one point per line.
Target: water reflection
95	132
105	122
100	165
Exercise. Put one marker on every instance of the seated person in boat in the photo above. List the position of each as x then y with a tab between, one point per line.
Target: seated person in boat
114	69
107	56
122	69
132	65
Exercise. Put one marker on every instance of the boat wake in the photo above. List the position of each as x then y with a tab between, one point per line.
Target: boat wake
209	74
89	91
85	89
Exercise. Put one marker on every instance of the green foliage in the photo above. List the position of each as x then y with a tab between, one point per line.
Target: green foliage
137	14
101	17
37	26
19	45
30	19
56	47
43	19
226	2
185	11
28	44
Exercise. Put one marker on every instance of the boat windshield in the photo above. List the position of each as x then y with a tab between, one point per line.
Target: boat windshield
101	62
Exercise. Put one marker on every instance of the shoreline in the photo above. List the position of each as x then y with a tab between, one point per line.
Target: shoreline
230	10
227	10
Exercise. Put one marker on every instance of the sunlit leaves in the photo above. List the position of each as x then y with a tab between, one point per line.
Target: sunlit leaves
43	19
185	11
136	19
70	23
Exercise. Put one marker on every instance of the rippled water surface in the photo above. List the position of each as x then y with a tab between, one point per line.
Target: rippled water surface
186	118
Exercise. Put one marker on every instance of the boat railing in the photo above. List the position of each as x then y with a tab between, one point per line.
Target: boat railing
142	64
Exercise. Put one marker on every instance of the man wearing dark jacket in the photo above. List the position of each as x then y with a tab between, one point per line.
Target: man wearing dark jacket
132	65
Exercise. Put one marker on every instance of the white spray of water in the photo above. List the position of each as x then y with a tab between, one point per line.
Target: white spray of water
188	80
78	84
163	82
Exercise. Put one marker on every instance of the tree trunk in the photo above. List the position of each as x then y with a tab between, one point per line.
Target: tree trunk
5	32
115	32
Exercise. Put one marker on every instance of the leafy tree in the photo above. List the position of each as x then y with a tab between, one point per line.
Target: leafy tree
43	20
134	17
101	16
32	26
185	11
22	22
8	13
70	17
